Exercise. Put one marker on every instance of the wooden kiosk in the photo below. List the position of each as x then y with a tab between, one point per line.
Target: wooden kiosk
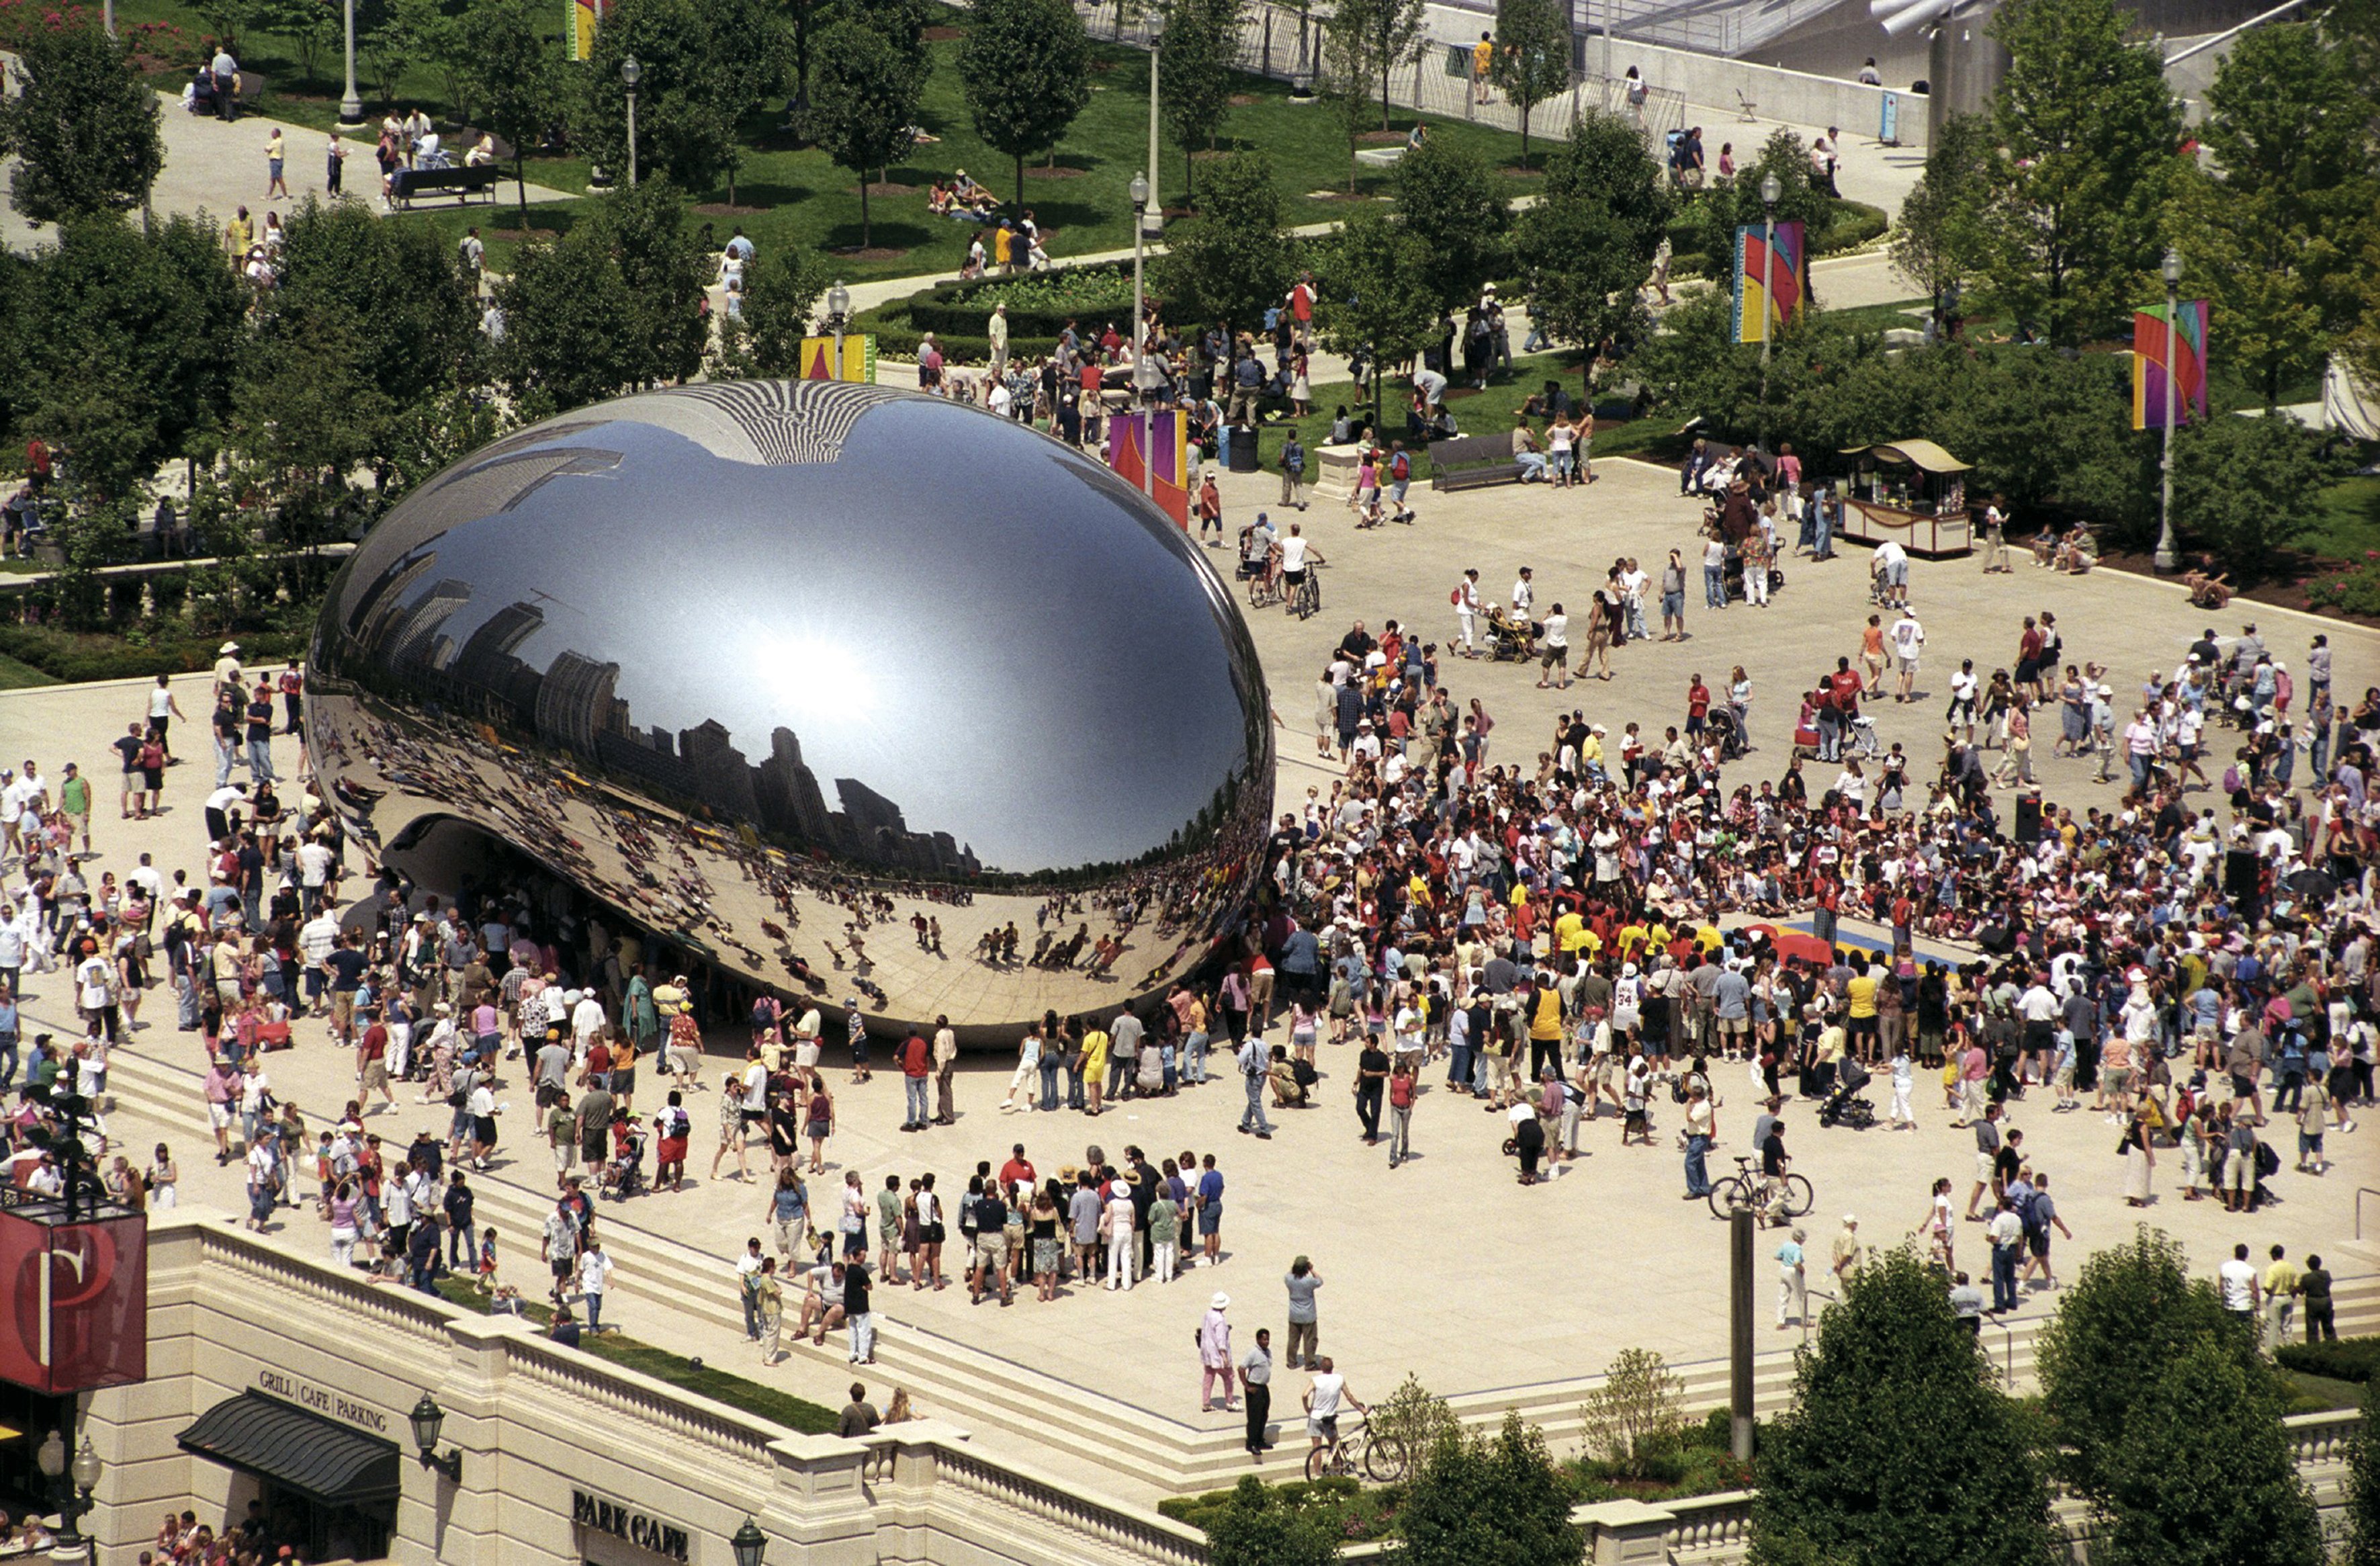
1913	491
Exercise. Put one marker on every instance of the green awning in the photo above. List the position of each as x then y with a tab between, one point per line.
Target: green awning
319	1459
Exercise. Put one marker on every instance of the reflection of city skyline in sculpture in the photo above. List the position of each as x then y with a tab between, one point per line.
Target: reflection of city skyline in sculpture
577	642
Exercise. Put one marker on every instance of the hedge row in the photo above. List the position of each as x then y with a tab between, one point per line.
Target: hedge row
897	334
76	656
961	308
2347	1359
1855	223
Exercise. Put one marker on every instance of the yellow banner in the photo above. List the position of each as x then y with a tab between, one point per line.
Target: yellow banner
859	359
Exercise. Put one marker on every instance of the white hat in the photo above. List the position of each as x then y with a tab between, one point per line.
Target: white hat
1220	1302
229	646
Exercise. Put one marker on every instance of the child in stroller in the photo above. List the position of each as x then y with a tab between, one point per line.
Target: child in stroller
1511	637
622	1175
1844	1107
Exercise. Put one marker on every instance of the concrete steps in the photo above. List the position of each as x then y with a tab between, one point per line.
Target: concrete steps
971	1386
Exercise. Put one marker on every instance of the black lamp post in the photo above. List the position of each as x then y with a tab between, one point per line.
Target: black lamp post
427	1419
630	74
1770	190
749	1544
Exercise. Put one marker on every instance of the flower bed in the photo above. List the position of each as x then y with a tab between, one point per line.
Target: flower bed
1039	304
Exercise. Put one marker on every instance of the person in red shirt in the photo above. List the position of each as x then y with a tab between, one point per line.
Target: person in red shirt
1018	1172
917	1060
1698	700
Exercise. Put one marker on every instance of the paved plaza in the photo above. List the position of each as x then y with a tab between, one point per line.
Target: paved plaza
1446	1267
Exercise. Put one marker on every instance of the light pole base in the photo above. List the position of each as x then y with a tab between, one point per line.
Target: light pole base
2168	562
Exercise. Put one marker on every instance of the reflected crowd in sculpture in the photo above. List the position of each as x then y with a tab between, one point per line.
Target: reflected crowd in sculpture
845	690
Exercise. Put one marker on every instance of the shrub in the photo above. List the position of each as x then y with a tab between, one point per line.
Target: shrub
2349	1359
1637	1415
2354	589
76	656
1039	304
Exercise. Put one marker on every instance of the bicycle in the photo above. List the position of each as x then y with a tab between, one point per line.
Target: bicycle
1264	589
1307	601
1381	1459
1742	1189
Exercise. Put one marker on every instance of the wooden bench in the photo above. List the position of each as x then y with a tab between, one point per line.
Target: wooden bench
459	181
1473	462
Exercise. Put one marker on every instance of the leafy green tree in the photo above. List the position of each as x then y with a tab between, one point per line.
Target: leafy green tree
393	290
306	414
2273	230
865	109
1587	243
1380	35
614	305
706	64
1532	63
1374	291
1408	1424
438	33
1255	1528
385	47
1027	66
129	360
1231	259
1496	1500
2049	431
804	20
1452	201
1196	75
1940	238
2088	133
515	78
1637	1415
1343	82
2200	1474
308	27
666	268
2363	1484
780	287
1712	217
1898	1451
2247	488
82	125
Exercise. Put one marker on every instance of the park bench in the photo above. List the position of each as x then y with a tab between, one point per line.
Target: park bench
459	181
1473	462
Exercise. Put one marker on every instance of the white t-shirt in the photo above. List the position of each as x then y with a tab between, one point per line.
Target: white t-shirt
92	977
1557	630
1293	552
1963	686
594	1271
2238	1284
1908	635
1890	553
1329	1388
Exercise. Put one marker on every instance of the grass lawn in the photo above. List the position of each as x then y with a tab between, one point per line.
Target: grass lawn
797	195
709	1381
2348	522
15	676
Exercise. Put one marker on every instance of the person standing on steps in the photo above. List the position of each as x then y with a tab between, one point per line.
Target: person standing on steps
1214	1340
1256	1379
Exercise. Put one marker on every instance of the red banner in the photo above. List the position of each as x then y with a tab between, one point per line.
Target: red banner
77	1303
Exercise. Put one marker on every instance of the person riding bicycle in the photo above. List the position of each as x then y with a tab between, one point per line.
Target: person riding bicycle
1295	553
1322	1403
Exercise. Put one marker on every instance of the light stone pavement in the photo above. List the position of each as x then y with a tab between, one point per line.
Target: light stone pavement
1446	1267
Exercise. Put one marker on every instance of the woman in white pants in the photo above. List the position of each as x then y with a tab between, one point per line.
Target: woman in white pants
1028	1063
1117	1225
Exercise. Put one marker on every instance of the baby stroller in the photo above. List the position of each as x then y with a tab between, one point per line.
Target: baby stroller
622	1175
1726	732
1842	1106
1511	638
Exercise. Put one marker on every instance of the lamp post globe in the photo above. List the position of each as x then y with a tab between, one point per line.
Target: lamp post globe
748	1544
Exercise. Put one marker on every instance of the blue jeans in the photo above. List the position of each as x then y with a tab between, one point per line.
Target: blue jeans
1673	606
1458	1067
1715	587
1165	1059
1194	1052
8	1060
2140	768
1697	1178
225	752
260	760
1074	1088
1253	1117
1825	545
2004	1259
915	1111
1048	1082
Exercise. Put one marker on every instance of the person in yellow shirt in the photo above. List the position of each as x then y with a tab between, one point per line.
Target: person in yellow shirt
1545	1028
1633	936
1483	61
2284	1280
1570	932
1860	993
1095	1067
1002	244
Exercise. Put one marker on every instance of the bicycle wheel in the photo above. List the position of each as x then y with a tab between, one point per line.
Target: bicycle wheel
1384	1460
1725	1193
1319	1462
1799	1197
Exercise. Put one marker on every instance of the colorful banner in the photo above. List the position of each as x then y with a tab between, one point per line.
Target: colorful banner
1126	440
2154	343
1756	273
859	359
579	22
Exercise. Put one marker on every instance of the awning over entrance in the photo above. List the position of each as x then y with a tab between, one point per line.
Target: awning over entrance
319	1459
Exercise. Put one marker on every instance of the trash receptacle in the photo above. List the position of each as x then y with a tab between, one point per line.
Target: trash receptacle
1242	449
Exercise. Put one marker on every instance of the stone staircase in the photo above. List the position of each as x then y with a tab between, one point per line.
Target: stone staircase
1059	1419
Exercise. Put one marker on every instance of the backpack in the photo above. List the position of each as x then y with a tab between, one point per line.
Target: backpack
1401	467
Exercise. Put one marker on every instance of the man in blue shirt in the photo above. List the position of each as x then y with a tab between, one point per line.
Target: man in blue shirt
1793	1283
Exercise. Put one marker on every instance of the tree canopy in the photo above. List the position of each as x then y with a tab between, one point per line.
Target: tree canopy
1587	243
864	110
1494	1501
1450	200
81	124
705	65
1231	259
1026	66
1532	61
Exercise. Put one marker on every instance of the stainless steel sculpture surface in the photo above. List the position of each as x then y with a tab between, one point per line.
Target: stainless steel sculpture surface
851	691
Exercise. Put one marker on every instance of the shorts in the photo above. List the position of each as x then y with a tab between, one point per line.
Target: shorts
219	1116
1984	1168
564	1269
2242	1087
1556	656
1210	1218
2037	1242
991	1251
1322	1429
2236	1167
1294	578
1906	665
1897	574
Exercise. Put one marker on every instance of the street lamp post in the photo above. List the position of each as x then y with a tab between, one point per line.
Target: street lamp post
1140	327
1769	191
73	1481
2167	559
838	311
351	103
630	74
1156	170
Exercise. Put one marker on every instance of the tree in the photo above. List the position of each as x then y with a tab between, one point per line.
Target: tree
385	47
1256	1529
82	125
1343	81
1587	243
2273	230
865	110
706	64
2202	1474
2363	1484
780	286
1637	1413
1229	261
614	305
515	78
2088	134
1713	217
1939	238
1410	1422
804	20
1374	291
1532	63
1452	201
1196	75
2247	488
666	267
1380	35
1027	67
440	32
310	26
306	414
399	300
1487	1501
1897	1449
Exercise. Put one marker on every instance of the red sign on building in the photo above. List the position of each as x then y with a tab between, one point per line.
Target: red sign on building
77	1296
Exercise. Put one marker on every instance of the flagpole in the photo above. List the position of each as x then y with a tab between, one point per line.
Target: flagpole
2167	559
